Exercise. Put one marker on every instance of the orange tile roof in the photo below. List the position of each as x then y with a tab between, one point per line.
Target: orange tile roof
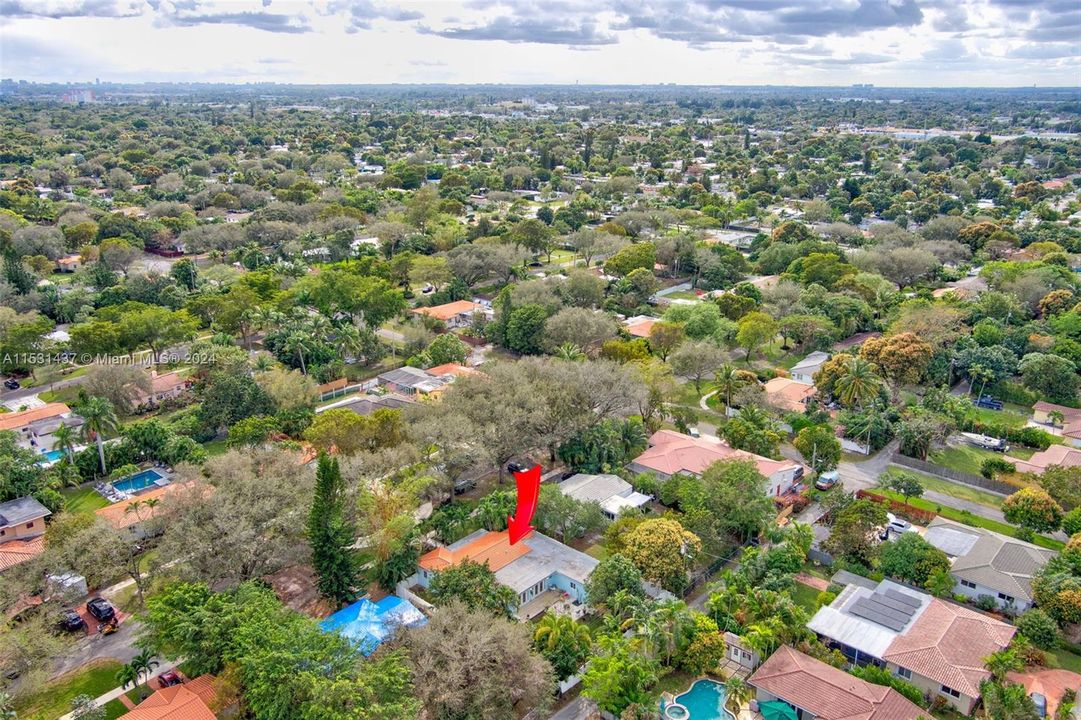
120	518
16	420
788	394
827	692
447	311
452	369
494	548
179	702
948	643
168	381
671	452
14	552
642	328
1055	455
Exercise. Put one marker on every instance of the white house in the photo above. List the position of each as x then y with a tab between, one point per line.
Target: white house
804	370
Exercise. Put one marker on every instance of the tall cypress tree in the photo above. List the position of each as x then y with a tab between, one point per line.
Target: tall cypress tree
330	534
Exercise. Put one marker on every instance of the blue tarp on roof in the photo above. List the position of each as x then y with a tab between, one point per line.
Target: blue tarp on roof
368	624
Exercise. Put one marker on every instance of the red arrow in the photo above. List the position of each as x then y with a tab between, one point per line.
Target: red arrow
528	482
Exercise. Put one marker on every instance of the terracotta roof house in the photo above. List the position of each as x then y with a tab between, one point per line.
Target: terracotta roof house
189	701
670	452
16	552
640	325
1055	455
986	563
937	646
787	394
452	370
36	424
1045	416
454	314
824	692
543	572
120	517
69	263
162	387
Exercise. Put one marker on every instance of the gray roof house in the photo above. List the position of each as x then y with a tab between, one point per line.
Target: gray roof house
611	492
22	518
804	370
986	563
411	380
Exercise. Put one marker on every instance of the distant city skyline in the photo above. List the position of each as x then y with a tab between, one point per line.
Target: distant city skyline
898	43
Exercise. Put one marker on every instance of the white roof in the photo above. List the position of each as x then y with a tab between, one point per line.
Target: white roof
836	622
813	360
594	488
618	503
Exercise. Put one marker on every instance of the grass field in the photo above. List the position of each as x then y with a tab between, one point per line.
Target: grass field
85	500
215	447
1011	415
806	597
964	458
957	490
54	699
1065	659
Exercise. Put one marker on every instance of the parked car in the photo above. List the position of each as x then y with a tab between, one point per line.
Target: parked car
71	620
693	432
462	485
11	384
988	402
170	678
895	525
101	609
827	480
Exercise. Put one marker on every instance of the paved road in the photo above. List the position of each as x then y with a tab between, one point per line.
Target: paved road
577	709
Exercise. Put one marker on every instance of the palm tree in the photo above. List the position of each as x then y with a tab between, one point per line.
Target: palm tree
739	693
64	439
98	418
1056	418
570	351
1002	662
728	382
297	342
128	674
145	663
555	630
858	384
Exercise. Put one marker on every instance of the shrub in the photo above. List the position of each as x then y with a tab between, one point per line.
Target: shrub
987	603
994	466
1071	522
1040	628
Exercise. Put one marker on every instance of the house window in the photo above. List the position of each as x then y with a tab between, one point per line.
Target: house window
3	532
950	691
1005	598
29	525
573	586
904	673
970	585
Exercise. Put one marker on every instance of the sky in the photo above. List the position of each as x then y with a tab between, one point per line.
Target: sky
909	43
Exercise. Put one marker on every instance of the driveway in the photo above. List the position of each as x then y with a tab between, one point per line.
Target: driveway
119	646
577	709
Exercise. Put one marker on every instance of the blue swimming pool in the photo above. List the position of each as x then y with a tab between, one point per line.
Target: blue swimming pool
703	701
52	456
138	481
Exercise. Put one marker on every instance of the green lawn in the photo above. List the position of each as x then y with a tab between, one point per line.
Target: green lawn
806	597
1011	415
683	295
964	458
957	490
597	551
54	699
970	519
114	709
215	447
85	500
1065	659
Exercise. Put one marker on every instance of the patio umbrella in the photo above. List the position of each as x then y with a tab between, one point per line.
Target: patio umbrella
776	710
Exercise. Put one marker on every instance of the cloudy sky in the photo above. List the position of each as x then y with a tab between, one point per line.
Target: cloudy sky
713	42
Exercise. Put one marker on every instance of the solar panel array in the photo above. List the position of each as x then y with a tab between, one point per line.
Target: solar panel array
888	608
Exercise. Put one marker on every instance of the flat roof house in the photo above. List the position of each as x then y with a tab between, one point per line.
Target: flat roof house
804	370
670	452
817	691
543	572
986	563
411	381
937	646
454	314
611	492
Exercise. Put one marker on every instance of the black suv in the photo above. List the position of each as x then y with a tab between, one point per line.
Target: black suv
71	621
101	609
11	384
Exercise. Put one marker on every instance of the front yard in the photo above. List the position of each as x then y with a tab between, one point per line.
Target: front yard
54	699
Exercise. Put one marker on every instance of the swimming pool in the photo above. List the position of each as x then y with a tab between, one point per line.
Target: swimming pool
51	456
139	481
703	701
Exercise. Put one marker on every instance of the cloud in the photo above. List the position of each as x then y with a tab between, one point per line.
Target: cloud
546	31
1045	51
361	13
56	9
860	58
258	20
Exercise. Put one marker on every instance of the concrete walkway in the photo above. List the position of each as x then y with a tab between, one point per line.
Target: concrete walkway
117	692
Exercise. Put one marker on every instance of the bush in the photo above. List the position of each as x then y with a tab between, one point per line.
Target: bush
994	466
987	603
1071	522
1040	628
